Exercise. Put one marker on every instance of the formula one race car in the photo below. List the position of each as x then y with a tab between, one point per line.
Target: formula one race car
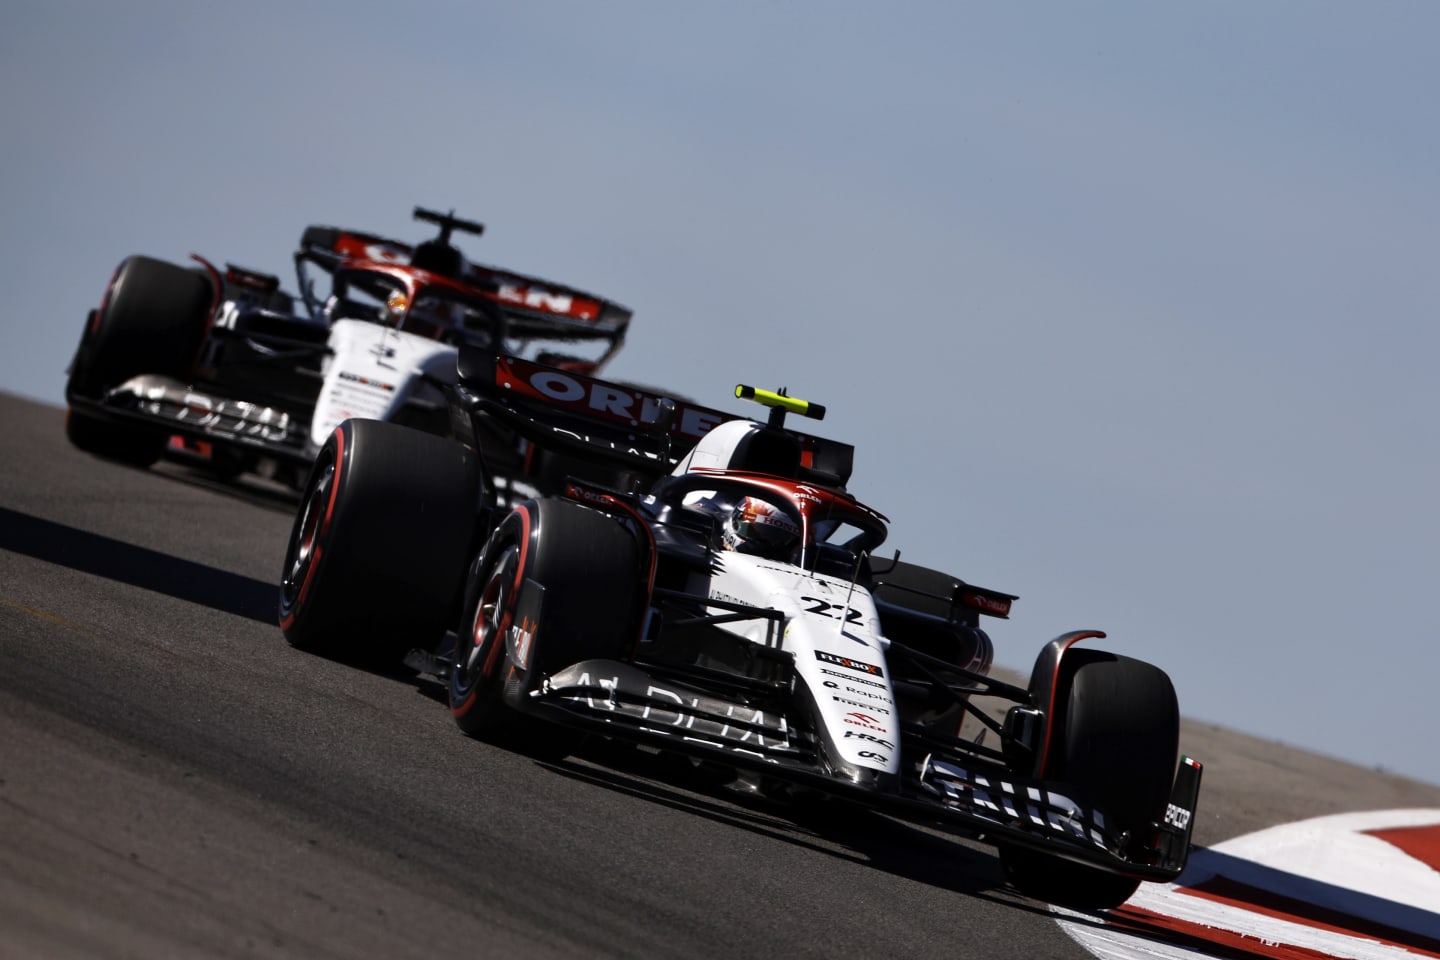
705	584
220	366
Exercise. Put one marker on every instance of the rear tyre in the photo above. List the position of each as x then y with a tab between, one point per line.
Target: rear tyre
588	566
1118	745
153	321
376	557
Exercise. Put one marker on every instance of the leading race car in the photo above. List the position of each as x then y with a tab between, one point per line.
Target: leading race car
220	366
705	584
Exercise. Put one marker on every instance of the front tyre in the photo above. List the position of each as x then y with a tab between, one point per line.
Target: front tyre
574	575
474	691
153	321
1119	741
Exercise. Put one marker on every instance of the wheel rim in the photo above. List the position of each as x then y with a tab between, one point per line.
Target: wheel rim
304	546
488	626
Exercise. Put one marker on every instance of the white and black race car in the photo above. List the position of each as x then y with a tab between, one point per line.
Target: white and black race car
705	584
224	368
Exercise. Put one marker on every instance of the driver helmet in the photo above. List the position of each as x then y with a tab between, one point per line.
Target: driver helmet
396	306
757	527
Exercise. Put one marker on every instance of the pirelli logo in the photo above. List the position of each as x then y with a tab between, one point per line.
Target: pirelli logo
858	665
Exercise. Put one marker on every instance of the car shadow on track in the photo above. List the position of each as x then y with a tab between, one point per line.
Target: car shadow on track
123	562
248	488
838	828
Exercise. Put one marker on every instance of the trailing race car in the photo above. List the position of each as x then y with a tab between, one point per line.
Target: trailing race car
706	584
220	365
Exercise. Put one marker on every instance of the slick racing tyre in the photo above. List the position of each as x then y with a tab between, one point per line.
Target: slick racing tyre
376	557
576	570
1118	745
152	321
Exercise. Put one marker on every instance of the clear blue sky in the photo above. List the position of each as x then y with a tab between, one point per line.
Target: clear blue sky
1129	308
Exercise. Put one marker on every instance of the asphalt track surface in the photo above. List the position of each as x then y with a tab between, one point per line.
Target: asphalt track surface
176	781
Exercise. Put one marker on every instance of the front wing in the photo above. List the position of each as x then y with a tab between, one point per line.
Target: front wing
983	799
185	410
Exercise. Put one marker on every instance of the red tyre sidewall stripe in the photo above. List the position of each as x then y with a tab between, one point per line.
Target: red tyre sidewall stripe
334	480
488	667
215	286
525	531
524	515
1054	690
321	529
105	301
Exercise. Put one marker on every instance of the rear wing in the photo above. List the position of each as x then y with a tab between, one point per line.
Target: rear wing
533	307
634	427
911	590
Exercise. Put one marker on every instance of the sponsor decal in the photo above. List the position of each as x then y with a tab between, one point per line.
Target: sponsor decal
777	568
747	716
227	316
869	738
849	679
1177	816
872	707
848	663
236	418
984	602
861	692
538	298
384	253
522	635
598	397
588	495
857	719
664	711
805	492
367	381
608	684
